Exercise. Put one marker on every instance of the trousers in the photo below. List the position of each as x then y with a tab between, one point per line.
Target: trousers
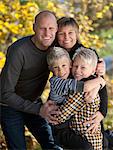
13	124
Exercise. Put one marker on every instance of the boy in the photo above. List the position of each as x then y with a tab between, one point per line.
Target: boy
84	66
60	64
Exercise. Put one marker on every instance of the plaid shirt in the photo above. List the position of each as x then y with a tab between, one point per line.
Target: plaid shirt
80	111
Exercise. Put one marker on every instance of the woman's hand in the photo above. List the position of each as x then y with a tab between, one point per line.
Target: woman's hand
94	122
101	67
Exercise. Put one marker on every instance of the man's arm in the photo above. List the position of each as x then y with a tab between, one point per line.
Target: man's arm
9	78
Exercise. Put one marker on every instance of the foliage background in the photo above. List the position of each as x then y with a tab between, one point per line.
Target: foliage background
95	18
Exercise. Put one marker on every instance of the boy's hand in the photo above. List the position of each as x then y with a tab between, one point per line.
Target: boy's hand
94	83
48	110
94	122
89	96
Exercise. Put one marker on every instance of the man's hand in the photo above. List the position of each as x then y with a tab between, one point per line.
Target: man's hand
48	110
94	122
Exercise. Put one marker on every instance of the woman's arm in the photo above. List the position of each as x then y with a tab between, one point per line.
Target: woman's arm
101	67
103	101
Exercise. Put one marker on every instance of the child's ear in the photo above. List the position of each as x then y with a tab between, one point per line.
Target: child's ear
50	68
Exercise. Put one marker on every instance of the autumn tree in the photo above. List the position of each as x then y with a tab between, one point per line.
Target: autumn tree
17	16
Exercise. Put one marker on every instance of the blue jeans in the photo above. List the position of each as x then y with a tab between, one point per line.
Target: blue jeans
12	123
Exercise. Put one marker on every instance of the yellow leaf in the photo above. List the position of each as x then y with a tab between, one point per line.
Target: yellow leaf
2	60
112	81
14	39
99	15
3	8
17	15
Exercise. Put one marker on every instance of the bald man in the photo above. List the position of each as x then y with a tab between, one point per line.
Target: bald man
23	79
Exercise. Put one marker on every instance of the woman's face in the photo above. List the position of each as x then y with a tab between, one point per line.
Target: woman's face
67	37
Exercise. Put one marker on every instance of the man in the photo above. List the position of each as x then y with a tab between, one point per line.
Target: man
23	79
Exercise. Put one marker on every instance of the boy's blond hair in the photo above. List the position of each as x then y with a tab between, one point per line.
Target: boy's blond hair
55	53
87	55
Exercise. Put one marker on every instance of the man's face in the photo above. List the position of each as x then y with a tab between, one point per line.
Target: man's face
67	36
45	30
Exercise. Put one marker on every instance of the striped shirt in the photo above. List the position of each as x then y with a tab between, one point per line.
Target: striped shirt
60	88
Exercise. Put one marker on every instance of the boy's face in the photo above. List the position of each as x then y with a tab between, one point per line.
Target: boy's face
81	69
67	36
61	67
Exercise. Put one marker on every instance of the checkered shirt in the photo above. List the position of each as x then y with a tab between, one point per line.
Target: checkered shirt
80	112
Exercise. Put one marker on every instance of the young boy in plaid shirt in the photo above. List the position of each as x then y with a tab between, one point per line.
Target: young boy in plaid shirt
84	66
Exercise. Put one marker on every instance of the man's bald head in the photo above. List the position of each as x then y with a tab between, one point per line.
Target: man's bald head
45	28
45	13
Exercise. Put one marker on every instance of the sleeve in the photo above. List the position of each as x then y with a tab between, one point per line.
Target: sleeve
9	78
65	86
61	86
104	101
72	105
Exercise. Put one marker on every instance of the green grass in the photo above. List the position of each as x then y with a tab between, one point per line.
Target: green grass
108	121
108	36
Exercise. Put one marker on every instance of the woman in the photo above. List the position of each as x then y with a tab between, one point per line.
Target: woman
68	38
